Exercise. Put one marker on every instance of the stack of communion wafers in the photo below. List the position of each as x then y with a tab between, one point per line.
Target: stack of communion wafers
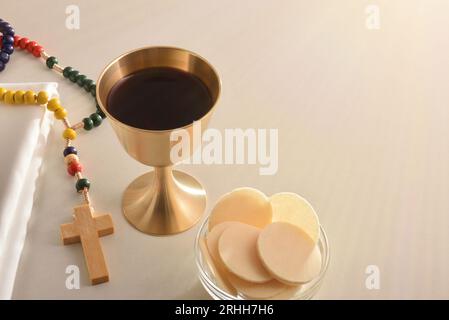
260	247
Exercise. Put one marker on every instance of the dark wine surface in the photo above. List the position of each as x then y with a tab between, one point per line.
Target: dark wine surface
159	98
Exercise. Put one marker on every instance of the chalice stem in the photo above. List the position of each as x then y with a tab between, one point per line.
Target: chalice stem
164	201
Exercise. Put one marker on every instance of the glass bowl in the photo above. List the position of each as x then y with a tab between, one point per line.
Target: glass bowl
209	282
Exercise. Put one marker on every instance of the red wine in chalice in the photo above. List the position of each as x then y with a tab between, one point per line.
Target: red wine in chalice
159	98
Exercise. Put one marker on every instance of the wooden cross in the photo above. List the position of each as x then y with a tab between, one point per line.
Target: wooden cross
87	229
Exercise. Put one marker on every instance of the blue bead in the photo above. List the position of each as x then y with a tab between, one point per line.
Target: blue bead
70	150
4	57
9	31
8	39
4	25
8	48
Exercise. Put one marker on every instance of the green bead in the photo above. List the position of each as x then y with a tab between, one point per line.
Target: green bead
96	119
88	83
101	113
81	184
88	124
73	75
80	80
66	71
93	90
51	61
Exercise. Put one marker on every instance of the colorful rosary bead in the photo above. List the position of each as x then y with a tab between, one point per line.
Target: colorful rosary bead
8	39
82	184
70	150
4	57
17	40
88	124
73	75
23	43
93	90
96	119
71	157
42	97
9	30
6	28
88	83
7	43
31	45
66	72
2	93
69	134
101	113
74	167
51	61
60	113
80	80
8	48
29	97
9	97
18	96
53	104
37	51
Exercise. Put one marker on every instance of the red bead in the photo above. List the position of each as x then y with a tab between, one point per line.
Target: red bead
31	45
37	51
1	40
17	40
74	167
23	43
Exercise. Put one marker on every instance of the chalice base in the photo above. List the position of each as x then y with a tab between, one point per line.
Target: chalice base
164	202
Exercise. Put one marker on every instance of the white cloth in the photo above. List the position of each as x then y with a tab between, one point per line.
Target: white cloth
23	137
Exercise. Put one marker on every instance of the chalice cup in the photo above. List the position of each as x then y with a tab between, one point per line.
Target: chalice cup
163	201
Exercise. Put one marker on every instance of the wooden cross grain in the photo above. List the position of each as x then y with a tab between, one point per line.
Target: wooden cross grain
87	229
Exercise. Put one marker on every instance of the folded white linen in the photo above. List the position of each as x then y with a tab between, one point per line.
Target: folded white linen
23	137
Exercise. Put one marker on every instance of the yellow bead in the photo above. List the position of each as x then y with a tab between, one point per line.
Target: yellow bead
18	96
60	113
2	93
53	104
9	97
29	97
71	158
42	97
69	134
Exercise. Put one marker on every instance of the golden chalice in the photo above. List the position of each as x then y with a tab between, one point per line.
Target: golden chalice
163	201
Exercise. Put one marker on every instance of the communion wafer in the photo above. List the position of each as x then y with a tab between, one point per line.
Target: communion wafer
237	249
288	253
246	205
220	273
214	235
291	208
257	290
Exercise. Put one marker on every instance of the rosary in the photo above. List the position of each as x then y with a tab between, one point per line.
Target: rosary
86	228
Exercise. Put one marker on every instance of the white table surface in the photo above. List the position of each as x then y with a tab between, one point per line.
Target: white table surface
363	125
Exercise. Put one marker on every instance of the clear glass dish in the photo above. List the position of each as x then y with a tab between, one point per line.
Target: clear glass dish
208	280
